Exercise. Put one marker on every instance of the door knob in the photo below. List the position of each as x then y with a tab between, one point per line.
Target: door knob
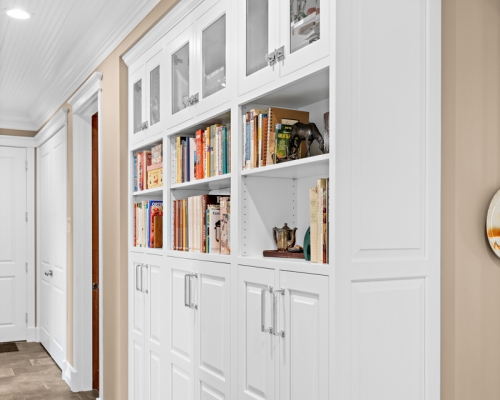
48	273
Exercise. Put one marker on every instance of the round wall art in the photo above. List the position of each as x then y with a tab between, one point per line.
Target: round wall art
493	224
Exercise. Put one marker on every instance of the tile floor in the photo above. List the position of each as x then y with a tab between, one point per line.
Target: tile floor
30	374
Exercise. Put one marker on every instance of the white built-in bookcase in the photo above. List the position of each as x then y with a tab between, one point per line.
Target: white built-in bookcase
351	326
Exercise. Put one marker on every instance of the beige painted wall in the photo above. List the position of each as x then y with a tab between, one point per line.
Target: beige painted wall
17	132
471	176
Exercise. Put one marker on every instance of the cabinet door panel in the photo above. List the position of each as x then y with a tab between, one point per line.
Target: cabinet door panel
137	363
213	79
255	348
137	106
180	66
155	91
304	32
182	384
257	36
303	315
212	341
136	330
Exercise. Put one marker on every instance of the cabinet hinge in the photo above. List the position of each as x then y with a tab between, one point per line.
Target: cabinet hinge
26	216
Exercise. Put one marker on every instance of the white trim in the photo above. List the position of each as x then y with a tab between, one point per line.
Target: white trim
17	141
32	334
86	102
30	245
69	375
17	121
73	81
53	126
167	23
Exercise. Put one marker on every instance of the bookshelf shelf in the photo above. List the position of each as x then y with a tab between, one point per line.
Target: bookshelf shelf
147	250
304	168
212	183
199	256
285	264
148	192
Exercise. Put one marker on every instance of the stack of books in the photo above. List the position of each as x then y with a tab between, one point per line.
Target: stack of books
148	168
148	223
202	224
266	136
318	215
205	155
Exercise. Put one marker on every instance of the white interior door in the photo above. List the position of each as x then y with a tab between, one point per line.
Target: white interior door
52	240
13	244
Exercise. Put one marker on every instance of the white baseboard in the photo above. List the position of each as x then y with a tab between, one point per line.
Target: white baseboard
32	335
70	376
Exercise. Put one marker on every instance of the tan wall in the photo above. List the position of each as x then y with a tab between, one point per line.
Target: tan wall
17	132
471	176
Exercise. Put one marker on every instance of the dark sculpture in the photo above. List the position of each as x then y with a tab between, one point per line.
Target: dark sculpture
309	133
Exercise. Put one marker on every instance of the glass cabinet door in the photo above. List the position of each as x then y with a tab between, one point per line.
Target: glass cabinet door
180	65
137	122
304	33
155	84
256	24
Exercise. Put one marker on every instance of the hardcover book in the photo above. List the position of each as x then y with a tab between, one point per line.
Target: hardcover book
283	133
224	217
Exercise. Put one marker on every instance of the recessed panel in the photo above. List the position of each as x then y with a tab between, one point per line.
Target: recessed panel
7	306
304	345
45	298
155	377
138	316
209	393
182	384
138	370
387	339
155	299
389	139
59	327
212	325
7	206
182	331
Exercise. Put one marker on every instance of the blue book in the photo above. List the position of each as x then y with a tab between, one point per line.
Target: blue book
154	209
135	172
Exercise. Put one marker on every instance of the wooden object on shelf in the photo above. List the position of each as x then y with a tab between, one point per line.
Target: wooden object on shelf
282	254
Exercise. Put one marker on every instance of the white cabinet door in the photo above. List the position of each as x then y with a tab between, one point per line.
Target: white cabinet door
257	37
256	359
137	106
136	330
181	66
154	328
155	89
212	79
302	315
180	376
213	331
304	33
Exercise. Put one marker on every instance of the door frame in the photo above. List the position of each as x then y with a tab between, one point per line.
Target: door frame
59	122
85	103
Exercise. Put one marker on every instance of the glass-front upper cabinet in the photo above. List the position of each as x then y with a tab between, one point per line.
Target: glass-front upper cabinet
280	37
198	57
146	99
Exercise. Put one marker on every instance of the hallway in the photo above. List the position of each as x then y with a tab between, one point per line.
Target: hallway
30	374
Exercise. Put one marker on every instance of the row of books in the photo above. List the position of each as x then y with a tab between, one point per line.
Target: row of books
202	224
205	155
148	168
319	225
148	224
266	136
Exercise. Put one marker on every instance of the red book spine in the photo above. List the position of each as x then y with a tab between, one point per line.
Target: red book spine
175	224
199	154
203	223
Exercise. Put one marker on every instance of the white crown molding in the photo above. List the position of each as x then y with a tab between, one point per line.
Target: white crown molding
17	141
167	23
57	122
73	79
17	121
86	92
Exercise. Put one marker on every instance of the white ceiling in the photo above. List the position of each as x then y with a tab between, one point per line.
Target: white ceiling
43	60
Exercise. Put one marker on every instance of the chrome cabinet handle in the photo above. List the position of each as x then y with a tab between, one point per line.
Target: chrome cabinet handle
144	125
191	303
263	309
275	313
187	288
147	268
137	277
49	273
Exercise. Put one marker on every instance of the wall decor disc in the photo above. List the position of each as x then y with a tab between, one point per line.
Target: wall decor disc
493	224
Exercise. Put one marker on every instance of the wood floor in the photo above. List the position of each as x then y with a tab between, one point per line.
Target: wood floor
30	374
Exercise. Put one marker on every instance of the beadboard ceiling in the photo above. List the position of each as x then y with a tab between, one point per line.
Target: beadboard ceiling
43	60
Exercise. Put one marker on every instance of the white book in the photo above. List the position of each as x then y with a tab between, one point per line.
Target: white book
320	225
214	232
313	219
190	224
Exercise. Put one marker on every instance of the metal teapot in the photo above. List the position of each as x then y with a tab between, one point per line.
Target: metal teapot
284	238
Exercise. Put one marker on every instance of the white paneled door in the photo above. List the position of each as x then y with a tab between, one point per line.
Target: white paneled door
52	244
13	244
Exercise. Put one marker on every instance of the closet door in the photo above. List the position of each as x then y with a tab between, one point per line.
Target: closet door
256	360
180	375
213	331
302	315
